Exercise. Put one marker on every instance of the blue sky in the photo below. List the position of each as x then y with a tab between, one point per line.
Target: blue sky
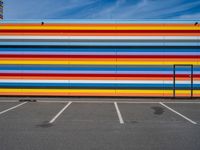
102	9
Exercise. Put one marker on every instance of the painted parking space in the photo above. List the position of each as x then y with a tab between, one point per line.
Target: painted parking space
87	125
29	115
97	111
147	113
49	113
89	113
190	109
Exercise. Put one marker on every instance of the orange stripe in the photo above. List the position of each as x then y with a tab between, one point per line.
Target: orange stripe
77	94
100	34
95	24
139	94
104	59
88	94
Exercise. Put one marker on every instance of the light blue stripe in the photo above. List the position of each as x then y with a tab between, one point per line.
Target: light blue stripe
101	43
121	21
118	50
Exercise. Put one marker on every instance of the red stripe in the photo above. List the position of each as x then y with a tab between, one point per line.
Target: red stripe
100	31
95	75
94	56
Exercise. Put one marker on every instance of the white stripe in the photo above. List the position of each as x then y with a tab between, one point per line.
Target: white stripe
119	113
186	82
98	81
59	113
193	122
2	112
101	37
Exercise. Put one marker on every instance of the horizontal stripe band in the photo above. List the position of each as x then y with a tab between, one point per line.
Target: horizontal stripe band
98	27
101	47
100	81
40	62
96	34
96	87
125	68
86	90
96	72
100	75
109	61
100	50
100	37
103	40
97	31
116	44
94	92
96	56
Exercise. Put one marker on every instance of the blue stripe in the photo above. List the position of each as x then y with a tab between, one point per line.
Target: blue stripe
102	85
93	68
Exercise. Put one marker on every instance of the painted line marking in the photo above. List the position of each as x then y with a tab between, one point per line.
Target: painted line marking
2	112
186	118
59	113
119	113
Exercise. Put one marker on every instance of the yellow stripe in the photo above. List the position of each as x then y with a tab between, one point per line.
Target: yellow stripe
80	90
99	27
183	92
99	62
196	92
99	91
96	90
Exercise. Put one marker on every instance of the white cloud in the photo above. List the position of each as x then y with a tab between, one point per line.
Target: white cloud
100	9
39	9
147	9
190	16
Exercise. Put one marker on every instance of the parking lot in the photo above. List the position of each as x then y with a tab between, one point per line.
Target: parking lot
96	123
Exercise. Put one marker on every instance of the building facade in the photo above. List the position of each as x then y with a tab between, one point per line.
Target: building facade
100	58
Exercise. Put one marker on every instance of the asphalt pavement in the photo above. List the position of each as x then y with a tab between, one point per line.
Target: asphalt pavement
99	124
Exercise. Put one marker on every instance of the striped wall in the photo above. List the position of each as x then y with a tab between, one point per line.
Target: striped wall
119	58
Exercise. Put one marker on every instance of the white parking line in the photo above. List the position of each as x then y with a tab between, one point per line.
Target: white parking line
60	112
191	121
2	112
119	113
